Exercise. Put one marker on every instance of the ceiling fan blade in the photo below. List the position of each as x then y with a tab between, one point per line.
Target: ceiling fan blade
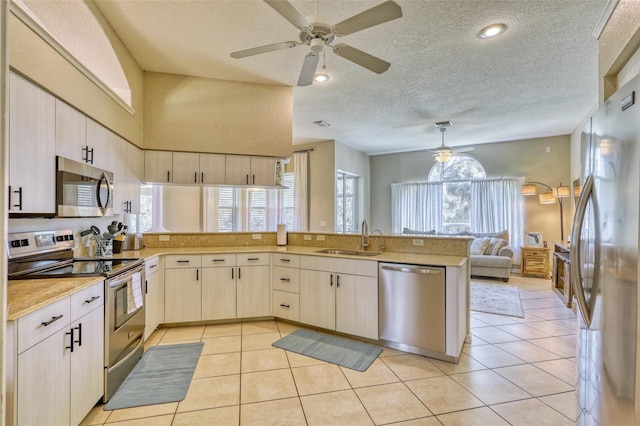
289	13
379	14
361	58
462	150
263	49
308	69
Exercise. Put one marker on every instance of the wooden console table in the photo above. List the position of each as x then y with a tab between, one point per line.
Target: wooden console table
561	272
534	261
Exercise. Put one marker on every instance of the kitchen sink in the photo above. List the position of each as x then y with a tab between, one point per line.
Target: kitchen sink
349	252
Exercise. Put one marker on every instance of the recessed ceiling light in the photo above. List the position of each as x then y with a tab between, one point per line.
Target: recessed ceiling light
492	30
320	78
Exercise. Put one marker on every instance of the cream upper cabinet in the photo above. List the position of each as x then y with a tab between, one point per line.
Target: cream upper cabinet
212	169
245	170
80	138
98	143
135	170
32	167
118	166
186	167
158	166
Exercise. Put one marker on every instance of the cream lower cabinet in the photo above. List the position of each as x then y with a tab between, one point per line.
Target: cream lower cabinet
182	288
285	282
154	297
55	361
340	294
253	285
218	286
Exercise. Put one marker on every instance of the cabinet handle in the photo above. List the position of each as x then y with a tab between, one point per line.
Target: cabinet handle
247	180
231	273
85	153
195	177
70	334
91	150
239	273
52	320
285	279
146	286
202	177
93	299
197	274
285	306
182	261
331	281
337	280
253	259
253	180
285	260
217	260
168	174
153	266
79	341
19	192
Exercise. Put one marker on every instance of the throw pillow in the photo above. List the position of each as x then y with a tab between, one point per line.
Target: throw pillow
479	245
495	244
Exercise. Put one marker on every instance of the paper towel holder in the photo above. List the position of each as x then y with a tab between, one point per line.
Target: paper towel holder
281	236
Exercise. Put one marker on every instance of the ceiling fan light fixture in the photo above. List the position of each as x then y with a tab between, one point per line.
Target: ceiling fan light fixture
492	30
321	78
443	156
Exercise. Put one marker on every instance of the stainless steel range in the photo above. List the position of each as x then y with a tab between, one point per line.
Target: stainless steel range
49	254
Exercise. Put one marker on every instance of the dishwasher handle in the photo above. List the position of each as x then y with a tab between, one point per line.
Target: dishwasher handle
412	269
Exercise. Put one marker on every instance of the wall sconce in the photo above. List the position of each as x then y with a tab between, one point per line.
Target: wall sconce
551	196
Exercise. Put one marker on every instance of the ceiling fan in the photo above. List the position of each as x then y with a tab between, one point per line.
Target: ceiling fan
443	153
317	35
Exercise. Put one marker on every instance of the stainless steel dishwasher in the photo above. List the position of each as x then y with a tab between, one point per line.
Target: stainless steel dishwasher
411	309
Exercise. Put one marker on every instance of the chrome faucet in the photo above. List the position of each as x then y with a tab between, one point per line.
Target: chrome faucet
365	234
378	234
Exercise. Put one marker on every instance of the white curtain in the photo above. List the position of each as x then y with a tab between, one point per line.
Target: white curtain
301	191
417	206
497	204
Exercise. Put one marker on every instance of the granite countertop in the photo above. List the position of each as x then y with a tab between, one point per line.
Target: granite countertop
26	296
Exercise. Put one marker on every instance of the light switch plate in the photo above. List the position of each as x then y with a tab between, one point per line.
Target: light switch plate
323	223
319	237
307	237
418	242
164	237
256	236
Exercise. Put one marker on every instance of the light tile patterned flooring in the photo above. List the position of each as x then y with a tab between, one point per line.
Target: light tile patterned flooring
517	371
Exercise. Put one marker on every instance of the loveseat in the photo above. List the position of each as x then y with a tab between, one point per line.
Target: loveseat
490	254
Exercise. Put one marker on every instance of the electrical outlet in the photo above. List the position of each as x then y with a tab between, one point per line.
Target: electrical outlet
319	237
307	237
256	236
323	223
164	237
418	242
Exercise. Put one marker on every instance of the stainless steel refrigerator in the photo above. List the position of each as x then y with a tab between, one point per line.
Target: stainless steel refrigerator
604	262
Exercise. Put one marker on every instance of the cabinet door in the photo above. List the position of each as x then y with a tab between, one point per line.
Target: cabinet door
158	166
135	170
118	165
182	295
218	293
357	305
212	169
186	167
98	142
71	132
32	164
263	171
318	298
253	297
154	303
87	364
237	170
43	382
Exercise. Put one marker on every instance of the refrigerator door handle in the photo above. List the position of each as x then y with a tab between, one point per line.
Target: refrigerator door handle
576	262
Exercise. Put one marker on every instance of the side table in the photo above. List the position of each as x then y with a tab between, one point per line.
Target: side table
534	262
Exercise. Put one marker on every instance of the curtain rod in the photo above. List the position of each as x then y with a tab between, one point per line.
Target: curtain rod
304	150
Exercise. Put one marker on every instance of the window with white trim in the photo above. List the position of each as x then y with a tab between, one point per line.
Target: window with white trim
346	202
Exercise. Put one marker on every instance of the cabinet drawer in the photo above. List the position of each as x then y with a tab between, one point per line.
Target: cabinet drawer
152	265
286	305
183	261
247	259
214	260
87	300
286	279
284	259
31	328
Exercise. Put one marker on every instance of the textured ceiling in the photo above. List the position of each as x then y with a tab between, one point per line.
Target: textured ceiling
538	79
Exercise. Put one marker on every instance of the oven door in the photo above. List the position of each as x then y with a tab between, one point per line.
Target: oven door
83	190
124	310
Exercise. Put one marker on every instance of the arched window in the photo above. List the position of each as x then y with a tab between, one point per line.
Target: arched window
456	175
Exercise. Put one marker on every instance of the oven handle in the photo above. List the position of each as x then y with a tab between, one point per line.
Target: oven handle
126	358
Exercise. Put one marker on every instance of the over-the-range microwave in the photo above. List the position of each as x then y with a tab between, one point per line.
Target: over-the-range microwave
82	190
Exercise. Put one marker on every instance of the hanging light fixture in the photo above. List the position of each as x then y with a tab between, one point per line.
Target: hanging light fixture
551	196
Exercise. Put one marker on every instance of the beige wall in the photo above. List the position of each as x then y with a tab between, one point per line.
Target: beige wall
356	162
525	158
202	114
619	40
322	181
35	59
